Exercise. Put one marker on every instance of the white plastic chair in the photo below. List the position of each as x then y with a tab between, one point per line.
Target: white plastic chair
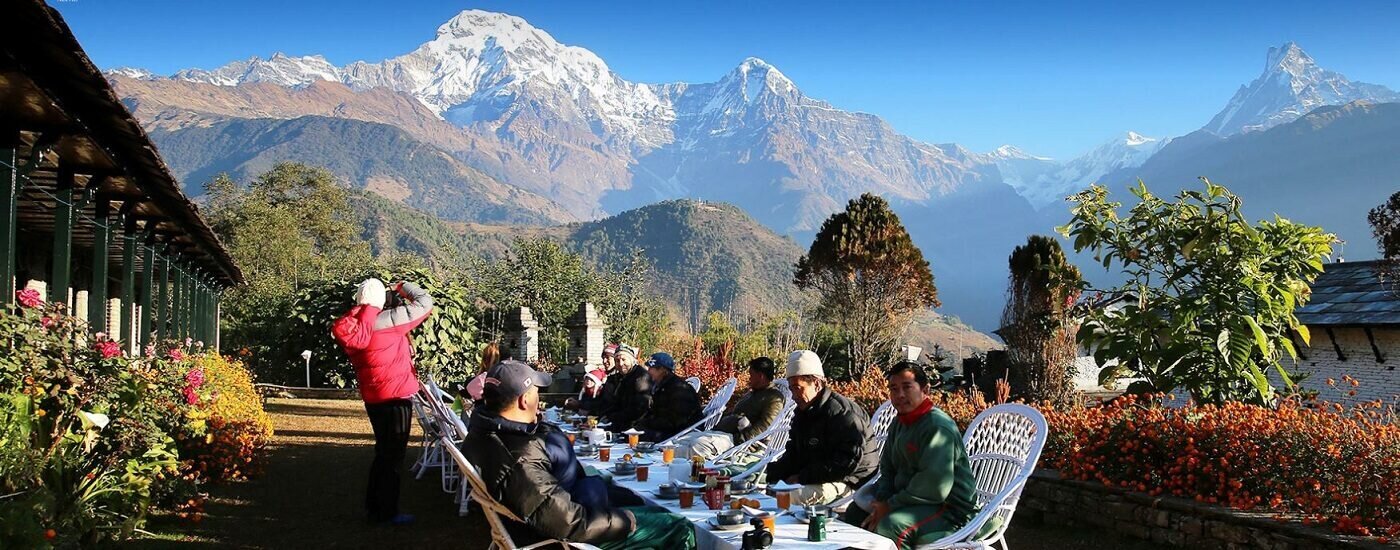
494	510
429	455
1003	445
446	425
694	382
712	412
783	388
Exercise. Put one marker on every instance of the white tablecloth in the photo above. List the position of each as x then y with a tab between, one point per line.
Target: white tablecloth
790	532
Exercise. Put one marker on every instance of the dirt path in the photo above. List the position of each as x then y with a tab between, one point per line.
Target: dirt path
311	496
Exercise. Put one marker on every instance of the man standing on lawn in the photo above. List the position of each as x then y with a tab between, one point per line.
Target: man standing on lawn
374	334
926	489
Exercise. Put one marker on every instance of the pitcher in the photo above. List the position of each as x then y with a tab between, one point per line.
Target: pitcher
599	436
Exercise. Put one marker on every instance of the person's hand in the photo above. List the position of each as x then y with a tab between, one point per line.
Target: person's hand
878	510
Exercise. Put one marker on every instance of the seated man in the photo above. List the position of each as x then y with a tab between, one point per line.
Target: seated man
674	404
512	452
926	488
631	398
830	450
747	418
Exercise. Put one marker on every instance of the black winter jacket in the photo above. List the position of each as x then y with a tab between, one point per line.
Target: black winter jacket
632	400
674	407
515	465
830	441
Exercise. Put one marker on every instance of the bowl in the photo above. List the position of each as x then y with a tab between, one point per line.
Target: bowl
729	517
668	490
646	446
741	485
624	467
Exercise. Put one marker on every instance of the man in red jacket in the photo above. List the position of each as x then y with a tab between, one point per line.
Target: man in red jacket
375	336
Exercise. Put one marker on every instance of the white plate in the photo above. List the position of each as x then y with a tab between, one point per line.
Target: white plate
716	525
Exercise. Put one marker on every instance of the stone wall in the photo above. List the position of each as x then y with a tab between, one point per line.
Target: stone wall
1168	521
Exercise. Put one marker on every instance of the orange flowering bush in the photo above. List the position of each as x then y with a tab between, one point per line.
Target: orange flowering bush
868	389
1331	465
712	370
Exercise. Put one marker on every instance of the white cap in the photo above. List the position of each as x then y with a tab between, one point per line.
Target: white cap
804	363
371	292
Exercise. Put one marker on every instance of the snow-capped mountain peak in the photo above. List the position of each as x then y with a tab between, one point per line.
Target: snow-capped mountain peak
1013	152
1047	182
1292	85
134	72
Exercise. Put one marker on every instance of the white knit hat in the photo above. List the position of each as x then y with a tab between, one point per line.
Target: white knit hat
804	363
371	292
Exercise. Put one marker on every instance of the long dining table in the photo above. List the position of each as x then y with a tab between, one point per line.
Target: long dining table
790	533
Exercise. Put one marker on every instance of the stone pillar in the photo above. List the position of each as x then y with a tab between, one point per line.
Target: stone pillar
522	335
585	335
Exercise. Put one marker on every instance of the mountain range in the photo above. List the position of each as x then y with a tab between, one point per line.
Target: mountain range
493	121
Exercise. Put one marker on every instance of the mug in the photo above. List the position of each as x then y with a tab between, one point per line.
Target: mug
642	472
599	436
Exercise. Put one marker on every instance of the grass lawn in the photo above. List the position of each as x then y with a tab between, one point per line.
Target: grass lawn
311	496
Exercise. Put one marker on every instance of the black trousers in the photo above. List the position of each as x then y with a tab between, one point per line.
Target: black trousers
391	421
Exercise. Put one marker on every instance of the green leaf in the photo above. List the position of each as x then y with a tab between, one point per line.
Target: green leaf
1304	334
1259	338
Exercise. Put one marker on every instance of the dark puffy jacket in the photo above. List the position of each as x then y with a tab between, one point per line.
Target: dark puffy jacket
674	407
515	462
830	441
632	400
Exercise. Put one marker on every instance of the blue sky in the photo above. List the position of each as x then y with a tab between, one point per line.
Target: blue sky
1052	78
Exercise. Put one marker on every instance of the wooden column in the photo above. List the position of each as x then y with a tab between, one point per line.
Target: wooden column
130	242
148	285
101	247
61	268
9	201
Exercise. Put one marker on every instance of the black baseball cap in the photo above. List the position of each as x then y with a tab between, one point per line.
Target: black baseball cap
510	379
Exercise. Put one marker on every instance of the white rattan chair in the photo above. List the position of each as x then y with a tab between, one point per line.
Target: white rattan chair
880	430
1003	445
694	382
493	510
765	447
712	413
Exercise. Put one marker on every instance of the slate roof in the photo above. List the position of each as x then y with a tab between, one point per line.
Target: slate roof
1351	294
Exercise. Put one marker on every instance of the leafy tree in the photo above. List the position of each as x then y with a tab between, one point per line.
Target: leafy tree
287	230
552	281
1385	225
870	277
1209	298
1037	323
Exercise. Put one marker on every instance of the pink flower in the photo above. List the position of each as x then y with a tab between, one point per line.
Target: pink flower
177	355
46	321
108	349
150	350
188	341
191	396
29	297
195	378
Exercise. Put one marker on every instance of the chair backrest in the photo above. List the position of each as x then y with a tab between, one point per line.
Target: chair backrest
783	388
694	382
490	507
715	407
451	425
880	424
771	442
1003	445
